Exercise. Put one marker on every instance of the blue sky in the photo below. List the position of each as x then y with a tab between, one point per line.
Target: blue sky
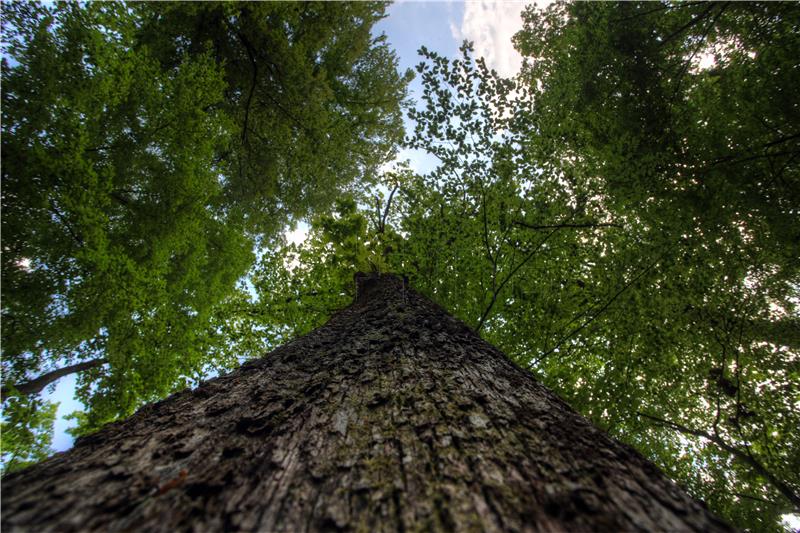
441	27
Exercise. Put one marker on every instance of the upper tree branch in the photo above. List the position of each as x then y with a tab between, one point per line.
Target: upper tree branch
689	24
744	456
558	226
598	313
499	288
385	216
251	55
36	385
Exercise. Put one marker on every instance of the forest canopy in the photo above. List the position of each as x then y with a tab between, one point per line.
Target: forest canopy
622	218
148	150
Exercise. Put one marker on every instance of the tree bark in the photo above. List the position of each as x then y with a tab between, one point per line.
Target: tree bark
393	416
36	385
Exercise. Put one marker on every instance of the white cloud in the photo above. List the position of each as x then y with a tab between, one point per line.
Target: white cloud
491	25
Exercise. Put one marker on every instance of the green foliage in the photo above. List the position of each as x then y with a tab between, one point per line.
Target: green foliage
147	148
615	222
621	218
115	239
26	432
314	97
298	286
701	163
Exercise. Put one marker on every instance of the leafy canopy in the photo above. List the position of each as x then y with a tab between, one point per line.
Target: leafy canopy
147	148
619	219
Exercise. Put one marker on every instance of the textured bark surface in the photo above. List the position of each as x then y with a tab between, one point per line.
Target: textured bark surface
393	416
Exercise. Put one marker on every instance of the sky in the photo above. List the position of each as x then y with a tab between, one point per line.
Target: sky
441	27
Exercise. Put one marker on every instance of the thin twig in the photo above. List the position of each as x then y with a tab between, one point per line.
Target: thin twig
597	314
745	456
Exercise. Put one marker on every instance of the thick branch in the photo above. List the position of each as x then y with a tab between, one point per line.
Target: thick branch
36	385
385	216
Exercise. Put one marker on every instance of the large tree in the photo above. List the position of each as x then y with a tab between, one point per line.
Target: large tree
147	148
115	242
680	341
392	416
313	94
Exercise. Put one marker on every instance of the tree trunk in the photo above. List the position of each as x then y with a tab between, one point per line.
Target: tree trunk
393	416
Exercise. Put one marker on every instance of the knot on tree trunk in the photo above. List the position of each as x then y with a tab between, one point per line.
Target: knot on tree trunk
377	286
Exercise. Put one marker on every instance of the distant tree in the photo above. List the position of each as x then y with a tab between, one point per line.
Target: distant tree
146	150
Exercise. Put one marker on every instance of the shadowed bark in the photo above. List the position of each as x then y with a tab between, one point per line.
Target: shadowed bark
393	416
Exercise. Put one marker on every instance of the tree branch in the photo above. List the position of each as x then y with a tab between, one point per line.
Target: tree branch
597	314
499	288
254	63
76	237
558	226
386	210
744	456
36	385
703	36
689	24
662	7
